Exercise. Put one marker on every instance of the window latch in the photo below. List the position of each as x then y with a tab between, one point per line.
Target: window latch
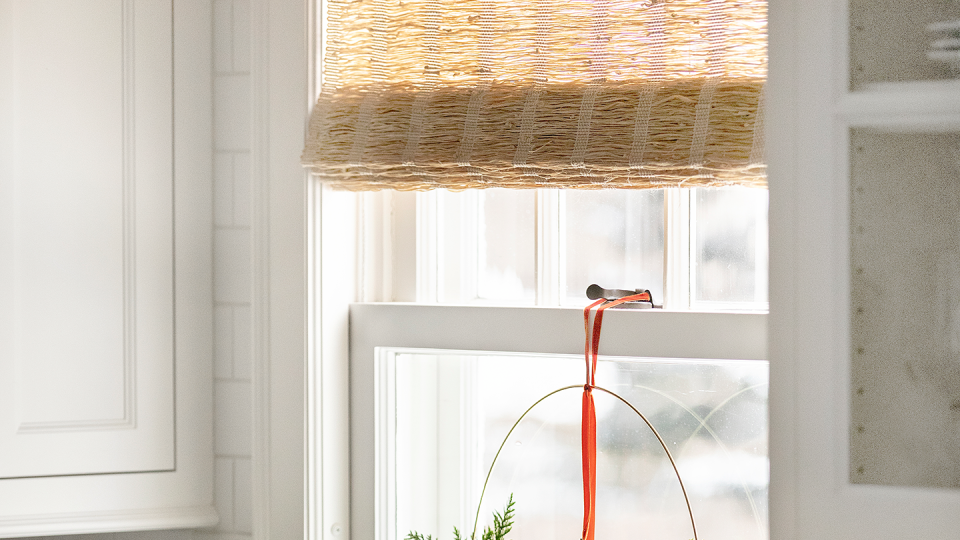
596	292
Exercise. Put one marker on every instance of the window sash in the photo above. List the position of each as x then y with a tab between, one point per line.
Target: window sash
404	255
631	333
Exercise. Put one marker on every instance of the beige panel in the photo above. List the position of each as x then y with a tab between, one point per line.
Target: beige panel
905	309
86	254
889	40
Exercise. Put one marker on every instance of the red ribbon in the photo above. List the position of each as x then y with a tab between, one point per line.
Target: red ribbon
588	419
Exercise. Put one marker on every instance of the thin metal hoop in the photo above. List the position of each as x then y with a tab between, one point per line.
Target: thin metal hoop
686	499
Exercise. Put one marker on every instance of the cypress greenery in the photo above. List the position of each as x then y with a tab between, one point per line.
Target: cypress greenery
502	525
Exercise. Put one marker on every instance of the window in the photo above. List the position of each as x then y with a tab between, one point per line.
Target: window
700	249
493	276
426	417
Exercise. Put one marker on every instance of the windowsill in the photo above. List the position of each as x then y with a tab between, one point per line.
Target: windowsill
704	308
559	330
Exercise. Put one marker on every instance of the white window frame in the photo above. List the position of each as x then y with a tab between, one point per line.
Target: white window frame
342	501
375	327
401	256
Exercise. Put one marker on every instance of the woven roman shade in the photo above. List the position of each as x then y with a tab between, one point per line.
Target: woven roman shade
420	94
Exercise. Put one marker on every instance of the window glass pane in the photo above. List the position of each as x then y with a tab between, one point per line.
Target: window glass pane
486	246
613	238
507	245
730	246
453	412
457	246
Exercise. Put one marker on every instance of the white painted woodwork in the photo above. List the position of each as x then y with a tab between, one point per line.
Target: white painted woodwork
646	333
280	100
812	110
105	264
86	244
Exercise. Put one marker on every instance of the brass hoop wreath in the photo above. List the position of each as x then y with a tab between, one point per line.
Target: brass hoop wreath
683	489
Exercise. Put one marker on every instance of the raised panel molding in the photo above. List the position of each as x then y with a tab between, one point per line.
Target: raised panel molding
128	180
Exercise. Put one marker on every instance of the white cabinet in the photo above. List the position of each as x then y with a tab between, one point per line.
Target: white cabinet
86	241
865	271
105	413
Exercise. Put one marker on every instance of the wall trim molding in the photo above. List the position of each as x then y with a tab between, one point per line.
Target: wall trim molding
314	500
116	521
278	71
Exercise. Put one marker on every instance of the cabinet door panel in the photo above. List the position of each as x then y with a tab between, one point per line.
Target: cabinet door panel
86	249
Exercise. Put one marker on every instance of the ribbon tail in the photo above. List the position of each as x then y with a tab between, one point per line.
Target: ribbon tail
588	452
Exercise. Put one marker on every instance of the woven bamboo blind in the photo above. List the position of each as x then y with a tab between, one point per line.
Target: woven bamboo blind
421	94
